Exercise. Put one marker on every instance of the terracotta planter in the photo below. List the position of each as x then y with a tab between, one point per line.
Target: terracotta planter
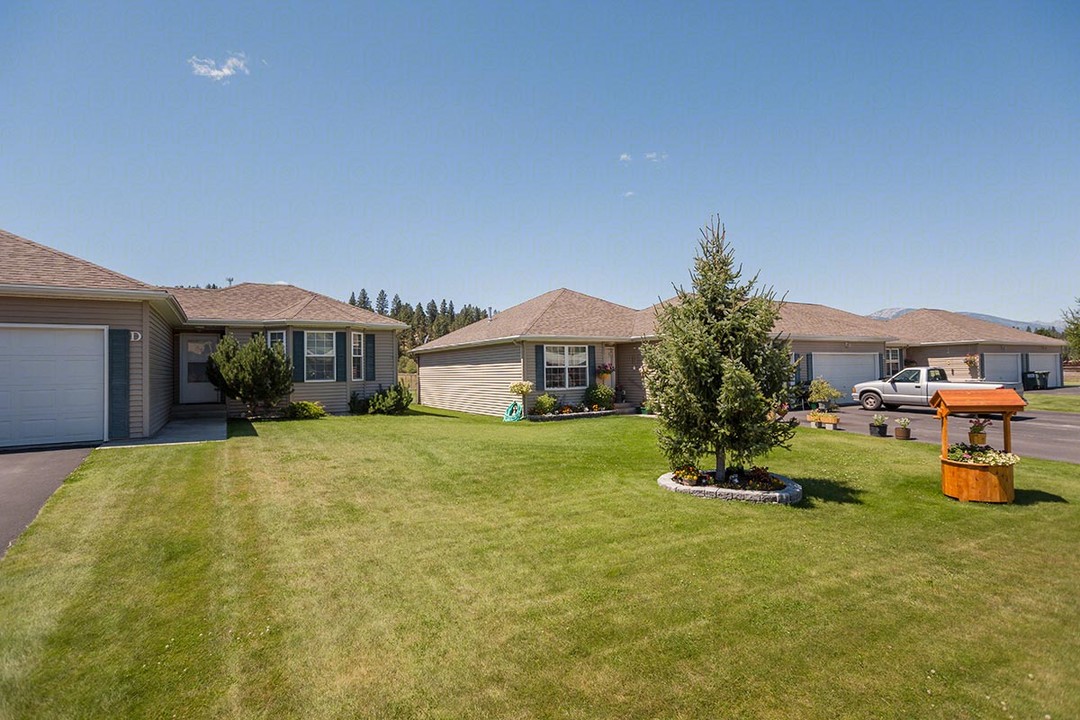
977	482
977	438
903	433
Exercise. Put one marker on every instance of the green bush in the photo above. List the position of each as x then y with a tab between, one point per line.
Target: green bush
394	400
303	410
406	364
253	373
358	405
601	396
546	404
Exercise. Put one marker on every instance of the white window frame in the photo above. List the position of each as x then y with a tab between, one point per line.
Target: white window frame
352	369
890	361
566	367
332	354
284	340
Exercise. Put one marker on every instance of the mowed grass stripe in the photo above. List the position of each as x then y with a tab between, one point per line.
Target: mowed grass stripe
438	565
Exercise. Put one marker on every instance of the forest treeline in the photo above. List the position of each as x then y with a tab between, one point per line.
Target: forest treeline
426	322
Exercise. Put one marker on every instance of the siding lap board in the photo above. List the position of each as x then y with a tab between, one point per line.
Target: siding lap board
474	380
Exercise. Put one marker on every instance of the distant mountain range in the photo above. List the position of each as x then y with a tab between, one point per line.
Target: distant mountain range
890	313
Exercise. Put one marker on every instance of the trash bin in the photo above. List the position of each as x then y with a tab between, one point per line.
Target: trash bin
1042	379
1031	382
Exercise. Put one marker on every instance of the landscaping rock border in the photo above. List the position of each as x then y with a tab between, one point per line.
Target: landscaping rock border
791	494
569	416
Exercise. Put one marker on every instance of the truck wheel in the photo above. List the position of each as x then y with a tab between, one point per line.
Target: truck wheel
870	401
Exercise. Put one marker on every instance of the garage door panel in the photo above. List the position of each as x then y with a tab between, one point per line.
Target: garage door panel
52	385
843	370
1047	362
1001	367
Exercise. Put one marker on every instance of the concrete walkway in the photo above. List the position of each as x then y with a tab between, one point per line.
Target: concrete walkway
180	432
27	480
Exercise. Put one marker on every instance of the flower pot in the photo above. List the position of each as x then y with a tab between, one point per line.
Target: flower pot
977	438
903	433
879	430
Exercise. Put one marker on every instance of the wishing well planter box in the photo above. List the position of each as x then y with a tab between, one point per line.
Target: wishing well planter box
977	482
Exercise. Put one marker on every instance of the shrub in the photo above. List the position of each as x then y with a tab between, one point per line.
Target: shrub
358	405
822	392
600	395
521	387
546	404
394	400
257	375
304	410
406	364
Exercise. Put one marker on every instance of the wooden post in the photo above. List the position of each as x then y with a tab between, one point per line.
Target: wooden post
943	413
1007	416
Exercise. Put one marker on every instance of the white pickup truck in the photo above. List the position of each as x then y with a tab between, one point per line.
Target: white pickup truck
914	386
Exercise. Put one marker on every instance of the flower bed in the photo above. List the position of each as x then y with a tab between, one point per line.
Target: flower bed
789	494
573	415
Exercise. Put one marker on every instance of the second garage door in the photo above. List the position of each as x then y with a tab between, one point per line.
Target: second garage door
843	370
52	385
1001	367
1049	363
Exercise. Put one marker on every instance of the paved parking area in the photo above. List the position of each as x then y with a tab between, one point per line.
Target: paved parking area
27	480
1035	433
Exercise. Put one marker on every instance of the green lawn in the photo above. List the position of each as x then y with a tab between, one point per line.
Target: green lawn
446	566
1057	403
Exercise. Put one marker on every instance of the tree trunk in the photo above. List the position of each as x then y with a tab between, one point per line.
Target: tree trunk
720	464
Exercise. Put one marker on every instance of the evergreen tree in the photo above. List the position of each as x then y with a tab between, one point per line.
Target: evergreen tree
395	307
452	313
381	305
362	300
257	375
352	298
716	373
432	311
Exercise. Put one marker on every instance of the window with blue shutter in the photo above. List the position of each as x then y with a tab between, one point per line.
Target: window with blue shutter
119	384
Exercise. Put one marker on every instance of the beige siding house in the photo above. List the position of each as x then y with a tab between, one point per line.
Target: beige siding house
971	348
88	355
557	339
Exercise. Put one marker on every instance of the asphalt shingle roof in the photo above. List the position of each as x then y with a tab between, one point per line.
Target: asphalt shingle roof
259	302
25	262
941	326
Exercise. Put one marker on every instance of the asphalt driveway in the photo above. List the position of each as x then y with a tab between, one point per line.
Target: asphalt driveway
27	480
1035	433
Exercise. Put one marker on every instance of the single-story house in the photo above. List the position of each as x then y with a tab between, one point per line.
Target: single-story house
556	340
88	354
947	339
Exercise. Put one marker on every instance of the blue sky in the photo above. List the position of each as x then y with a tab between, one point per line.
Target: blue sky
863	155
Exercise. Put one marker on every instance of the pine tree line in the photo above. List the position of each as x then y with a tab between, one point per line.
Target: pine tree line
426	322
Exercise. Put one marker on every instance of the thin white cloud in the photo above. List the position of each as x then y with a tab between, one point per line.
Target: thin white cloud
281	282
656	157
628	193
204	67
625	157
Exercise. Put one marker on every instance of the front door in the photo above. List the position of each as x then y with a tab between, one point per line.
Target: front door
194	352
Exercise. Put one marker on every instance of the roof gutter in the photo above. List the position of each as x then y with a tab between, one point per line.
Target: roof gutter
292	322
562	339
1053	342
84	293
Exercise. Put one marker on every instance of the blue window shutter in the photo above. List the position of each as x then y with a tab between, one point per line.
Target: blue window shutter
592	365
369	357
340	351
119	383
982	365
539	368
809	367
298	356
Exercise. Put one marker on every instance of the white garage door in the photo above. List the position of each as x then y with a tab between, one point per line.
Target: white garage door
1002	367
52	386
843	370
1047	362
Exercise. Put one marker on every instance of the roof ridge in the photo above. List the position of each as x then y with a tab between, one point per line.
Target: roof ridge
555	296
299	305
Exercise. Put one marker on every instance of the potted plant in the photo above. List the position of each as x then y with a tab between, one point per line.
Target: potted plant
972	362
903	432
822	393
604	370
878	426
977	430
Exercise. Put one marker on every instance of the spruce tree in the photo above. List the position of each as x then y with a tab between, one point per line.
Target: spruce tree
362	300
432	311
352	298
257	375
395	307
716	374
381	304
